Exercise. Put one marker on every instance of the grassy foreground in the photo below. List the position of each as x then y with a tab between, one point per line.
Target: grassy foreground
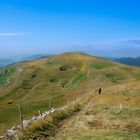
105	117
99	117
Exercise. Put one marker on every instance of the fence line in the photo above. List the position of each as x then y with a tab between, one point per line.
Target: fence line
25	123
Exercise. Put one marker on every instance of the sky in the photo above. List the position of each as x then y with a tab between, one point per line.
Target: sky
99	27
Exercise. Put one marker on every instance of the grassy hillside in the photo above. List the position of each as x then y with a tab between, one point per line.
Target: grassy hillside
106	117
62	77
113	115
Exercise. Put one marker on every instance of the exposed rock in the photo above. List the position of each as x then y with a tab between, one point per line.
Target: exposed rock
63	68
33	76
1	137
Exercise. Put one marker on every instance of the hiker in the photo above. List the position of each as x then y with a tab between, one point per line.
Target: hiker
99	90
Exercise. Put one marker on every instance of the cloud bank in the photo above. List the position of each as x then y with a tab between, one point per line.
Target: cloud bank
13	33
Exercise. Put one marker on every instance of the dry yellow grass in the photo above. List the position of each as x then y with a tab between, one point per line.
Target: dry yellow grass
104	118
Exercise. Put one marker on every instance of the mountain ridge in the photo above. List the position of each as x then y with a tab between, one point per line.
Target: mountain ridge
129	61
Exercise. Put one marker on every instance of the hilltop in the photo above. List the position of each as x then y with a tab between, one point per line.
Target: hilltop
62	77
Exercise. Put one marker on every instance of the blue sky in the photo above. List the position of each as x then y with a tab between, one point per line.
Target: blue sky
99	27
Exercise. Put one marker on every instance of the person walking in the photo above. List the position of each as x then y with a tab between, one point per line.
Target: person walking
99	90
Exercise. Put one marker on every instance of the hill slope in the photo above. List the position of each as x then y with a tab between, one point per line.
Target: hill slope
114	115
62	77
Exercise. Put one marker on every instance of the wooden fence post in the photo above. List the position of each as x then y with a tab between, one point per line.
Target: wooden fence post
50	103
21	116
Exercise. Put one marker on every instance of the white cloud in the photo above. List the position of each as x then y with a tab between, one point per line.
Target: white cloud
13	33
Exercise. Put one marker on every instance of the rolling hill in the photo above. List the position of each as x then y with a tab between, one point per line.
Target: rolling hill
129	61
62	77
6	61
34	57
